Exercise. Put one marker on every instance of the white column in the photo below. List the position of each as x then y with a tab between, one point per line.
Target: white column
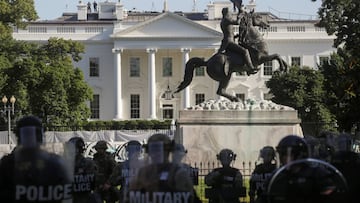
152	83
186	99
117	84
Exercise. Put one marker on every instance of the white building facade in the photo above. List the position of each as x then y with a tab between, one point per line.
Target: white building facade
133	60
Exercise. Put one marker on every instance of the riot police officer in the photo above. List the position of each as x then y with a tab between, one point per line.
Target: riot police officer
30	174
161	180
124	172
348	163
262	173
105	164
226	182
83	169
303	179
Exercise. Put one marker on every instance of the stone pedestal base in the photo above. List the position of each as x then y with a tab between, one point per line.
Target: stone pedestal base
204	133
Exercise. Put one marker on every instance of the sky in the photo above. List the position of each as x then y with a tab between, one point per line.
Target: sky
302	9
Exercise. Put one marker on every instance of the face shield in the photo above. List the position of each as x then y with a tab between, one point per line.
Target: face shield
306	180
28	136
157	152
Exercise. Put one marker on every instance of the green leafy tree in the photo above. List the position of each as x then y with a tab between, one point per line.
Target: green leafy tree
302	89
341	18
15	13
44	81
343	88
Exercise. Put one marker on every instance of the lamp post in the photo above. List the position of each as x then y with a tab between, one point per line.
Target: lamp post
9	109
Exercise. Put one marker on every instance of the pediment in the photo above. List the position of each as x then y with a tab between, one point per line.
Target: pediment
168	25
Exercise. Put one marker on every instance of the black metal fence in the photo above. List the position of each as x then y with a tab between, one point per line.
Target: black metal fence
204	168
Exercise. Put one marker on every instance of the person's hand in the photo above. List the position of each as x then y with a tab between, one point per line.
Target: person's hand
107	186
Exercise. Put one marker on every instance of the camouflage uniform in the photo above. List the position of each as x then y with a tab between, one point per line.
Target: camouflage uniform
105	164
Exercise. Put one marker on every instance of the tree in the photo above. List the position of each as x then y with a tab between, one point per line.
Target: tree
15	13
341	18
302	89
343	88
44	81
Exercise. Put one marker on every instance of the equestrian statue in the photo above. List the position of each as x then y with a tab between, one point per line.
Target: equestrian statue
245	55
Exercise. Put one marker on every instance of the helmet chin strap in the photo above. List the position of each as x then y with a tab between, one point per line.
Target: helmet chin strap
28	137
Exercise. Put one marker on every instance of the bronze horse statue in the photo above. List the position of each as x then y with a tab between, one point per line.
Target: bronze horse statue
220	66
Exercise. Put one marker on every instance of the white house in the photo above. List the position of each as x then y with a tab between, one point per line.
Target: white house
133	59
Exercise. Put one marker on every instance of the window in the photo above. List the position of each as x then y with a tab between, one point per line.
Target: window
323	60
240	73
168	111
134	106
240	96
268	96
200	71
167	66
199	98
95	107
268	68
295	61
134	67
94	67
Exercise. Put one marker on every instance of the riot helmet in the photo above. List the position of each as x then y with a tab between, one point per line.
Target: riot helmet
78	143
178	153
29	131
267	153
344	142
101	145
226	156
292	147
133	148
159	147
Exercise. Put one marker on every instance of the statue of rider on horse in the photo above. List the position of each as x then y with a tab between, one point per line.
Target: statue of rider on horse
245	55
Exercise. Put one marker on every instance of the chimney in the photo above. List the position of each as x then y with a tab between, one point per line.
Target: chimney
251	5
211	11
166	9
82	11
120	12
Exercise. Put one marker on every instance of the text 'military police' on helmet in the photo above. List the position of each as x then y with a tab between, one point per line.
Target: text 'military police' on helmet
29	131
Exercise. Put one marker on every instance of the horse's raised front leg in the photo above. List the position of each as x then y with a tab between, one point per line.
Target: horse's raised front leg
282	64
222	90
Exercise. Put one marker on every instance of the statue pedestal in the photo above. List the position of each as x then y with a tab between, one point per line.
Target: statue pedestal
205	132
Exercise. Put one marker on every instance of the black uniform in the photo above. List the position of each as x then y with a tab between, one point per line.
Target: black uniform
348	163
226	185
84	180
260	175
34	175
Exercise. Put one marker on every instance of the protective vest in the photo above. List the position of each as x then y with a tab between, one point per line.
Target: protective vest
37	176
261	174
164	188
227	187
84	176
